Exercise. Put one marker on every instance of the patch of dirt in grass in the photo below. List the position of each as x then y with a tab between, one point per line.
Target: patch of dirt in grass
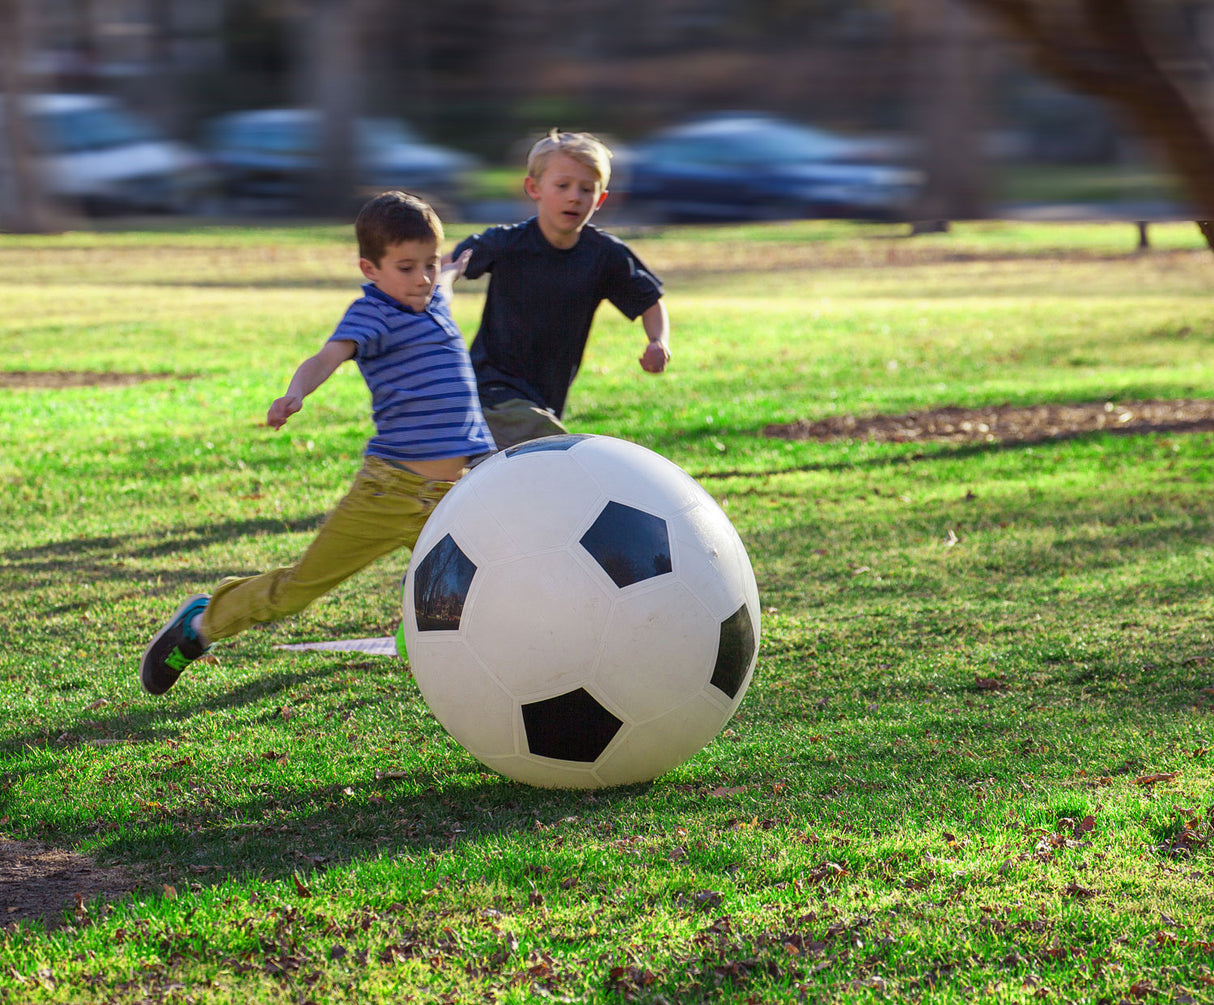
49	380
39	882
1007	423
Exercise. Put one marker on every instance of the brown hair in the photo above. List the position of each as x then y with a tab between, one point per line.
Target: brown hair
391	218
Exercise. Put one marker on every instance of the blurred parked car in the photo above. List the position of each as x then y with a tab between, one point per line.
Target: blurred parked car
95	154
741	166
266	158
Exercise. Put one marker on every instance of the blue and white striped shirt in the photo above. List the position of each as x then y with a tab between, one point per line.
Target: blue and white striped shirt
423	390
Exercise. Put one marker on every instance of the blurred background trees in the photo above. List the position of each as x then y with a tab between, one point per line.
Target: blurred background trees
958	83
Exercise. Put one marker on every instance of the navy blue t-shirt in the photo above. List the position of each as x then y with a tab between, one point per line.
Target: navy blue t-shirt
540	304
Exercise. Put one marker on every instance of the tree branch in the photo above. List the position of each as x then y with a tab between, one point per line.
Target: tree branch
1113	62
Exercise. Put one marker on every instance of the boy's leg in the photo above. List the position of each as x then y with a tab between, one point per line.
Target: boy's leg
384	510
518	420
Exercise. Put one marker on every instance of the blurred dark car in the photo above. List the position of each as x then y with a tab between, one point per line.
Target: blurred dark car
267	157
741	166
96	155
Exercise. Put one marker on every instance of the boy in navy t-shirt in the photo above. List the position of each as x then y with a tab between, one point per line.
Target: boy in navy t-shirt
547	277
428	427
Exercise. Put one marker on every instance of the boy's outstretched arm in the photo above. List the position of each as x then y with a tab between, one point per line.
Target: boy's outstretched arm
657	330
309	375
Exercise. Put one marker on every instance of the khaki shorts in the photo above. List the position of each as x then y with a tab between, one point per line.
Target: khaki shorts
385	509
518	420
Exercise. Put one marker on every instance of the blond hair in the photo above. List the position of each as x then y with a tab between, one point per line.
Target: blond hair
582	147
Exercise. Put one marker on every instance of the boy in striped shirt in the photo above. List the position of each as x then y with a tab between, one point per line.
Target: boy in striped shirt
428	427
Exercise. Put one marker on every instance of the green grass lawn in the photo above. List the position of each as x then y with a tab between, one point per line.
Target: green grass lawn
975	762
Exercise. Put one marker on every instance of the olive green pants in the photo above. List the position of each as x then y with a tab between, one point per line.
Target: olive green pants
518	420
384	510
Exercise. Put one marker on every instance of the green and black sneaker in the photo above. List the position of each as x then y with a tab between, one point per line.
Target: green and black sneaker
174	648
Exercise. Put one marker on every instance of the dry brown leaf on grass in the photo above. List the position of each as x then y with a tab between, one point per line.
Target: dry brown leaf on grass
826	872
1156	777
1077	827
630	980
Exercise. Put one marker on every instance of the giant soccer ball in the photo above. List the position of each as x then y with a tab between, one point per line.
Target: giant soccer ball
579	612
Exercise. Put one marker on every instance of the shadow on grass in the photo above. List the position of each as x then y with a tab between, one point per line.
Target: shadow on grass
51	557
269	829
153	725
105	559
274	828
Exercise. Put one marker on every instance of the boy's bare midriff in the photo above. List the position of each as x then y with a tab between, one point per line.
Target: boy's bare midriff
446	469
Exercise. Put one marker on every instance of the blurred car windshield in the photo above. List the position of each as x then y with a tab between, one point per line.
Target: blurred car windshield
768	144
383	134
84	129
278	136
301	134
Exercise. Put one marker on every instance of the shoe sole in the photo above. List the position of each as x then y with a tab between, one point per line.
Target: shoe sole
143	663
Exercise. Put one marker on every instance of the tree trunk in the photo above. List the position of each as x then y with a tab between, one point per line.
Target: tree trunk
947	77
330	72
23	207
165	101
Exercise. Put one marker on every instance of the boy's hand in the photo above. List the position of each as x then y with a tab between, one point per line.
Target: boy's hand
451	271
282	409
655	357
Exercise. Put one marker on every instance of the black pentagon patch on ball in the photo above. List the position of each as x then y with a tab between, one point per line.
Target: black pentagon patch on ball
569	727
734	652
559	442
630	544
440	587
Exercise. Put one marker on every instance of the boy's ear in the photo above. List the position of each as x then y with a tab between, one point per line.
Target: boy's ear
532	188
369	269
602	199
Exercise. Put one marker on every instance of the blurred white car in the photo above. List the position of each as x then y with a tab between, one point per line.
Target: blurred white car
93	153
268	156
